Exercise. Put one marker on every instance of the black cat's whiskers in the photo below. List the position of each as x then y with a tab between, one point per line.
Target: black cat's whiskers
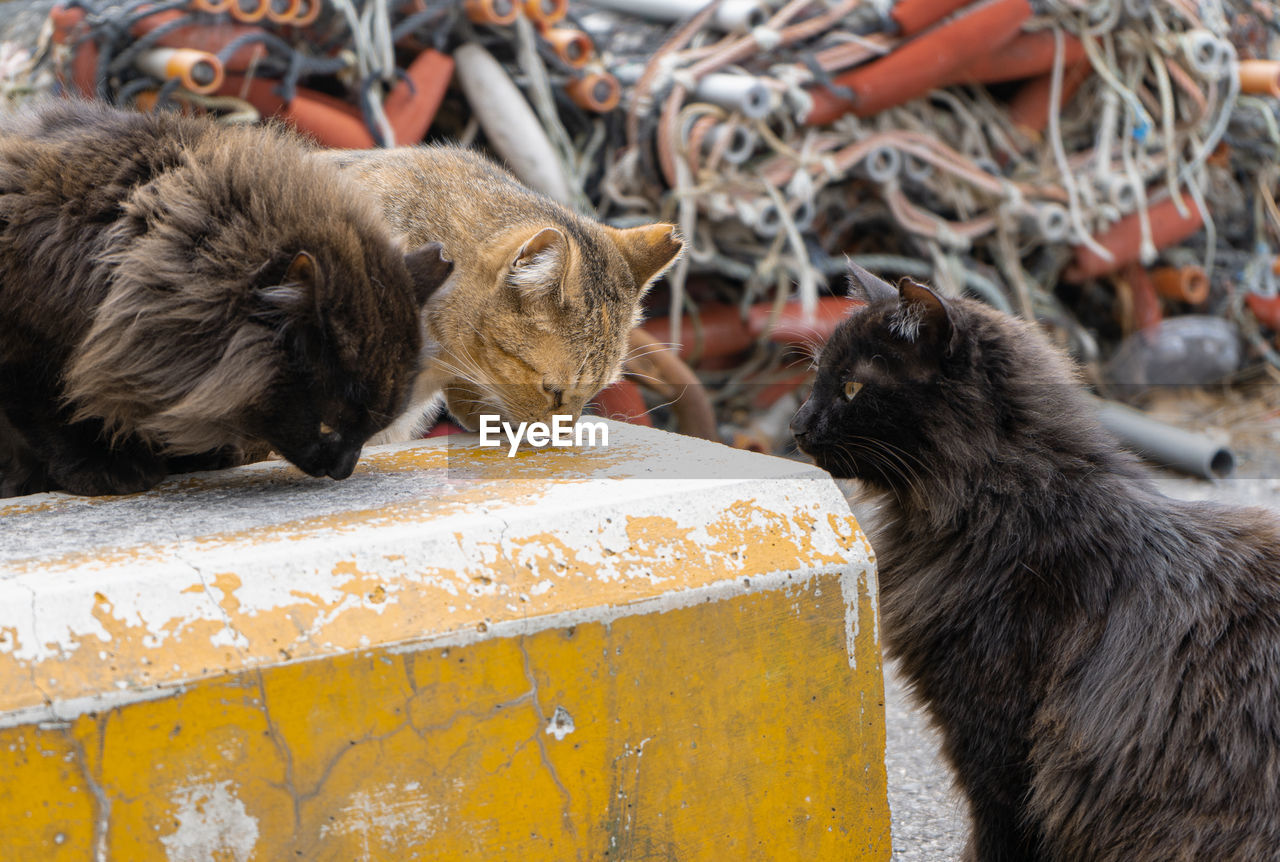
811	349
917	482
846	459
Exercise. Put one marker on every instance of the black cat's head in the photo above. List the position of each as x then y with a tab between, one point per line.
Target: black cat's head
913	383
349	339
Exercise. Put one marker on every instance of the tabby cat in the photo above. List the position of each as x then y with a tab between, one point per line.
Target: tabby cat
536	316
177	294
1103	662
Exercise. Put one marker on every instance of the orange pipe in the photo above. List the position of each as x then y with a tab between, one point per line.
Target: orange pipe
624	402
283	11
308	12
595	91
1146	306
1266	309
675	382
84	64
197	71
411	110
332	122
923	63
1029	107
1260	77
249	11
912	16
208	38
544	13
721	331
573	47
490	11
1124	239
1027	55
1181	283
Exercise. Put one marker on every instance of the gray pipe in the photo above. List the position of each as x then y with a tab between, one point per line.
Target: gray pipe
1166	444
732	15
732	91
741	93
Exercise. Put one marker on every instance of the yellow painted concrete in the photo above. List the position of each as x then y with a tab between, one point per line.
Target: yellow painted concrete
647	680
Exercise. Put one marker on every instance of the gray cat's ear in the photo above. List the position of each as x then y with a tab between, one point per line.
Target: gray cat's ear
303	270
923	314
295	289
867	287
648	251
539	265
428	269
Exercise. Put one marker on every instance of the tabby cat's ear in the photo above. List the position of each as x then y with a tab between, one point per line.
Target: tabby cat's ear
648	251
428	269
539	265
867	287
923	315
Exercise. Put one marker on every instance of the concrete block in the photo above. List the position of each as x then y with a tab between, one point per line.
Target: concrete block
658	649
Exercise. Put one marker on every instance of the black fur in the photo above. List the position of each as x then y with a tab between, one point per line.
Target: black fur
177	294
1103	662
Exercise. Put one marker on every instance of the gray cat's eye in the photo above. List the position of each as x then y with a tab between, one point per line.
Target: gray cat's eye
851	388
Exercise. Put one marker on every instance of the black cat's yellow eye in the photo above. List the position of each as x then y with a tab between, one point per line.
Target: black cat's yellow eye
851	388
325	428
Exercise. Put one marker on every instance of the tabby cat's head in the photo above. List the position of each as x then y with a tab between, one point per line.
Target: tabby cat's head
536	316
914	383
547	324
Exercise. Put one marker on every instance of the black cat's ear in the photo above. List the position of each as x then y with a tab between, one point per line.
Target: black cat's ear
428	269
867	287
922	315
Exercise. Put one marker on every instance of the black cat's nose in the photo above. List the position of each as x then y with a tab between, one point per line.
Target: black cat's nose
343	464
801	422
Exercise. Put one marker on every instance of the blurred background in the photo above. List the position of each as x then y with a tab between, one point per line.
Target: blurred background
1106	167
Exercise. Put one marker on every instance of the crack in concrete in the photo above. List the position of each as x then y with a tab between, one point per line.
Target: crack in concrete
290	786
31	666
538	735
102	818
282	747
479	712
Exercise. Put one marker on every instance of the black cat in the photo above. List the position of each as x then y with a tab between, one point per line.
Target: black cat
1103	661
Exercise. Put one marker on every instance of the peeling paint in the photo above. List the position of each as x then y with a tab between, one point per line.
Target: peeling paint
389	818
212	824
171	612
561	724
